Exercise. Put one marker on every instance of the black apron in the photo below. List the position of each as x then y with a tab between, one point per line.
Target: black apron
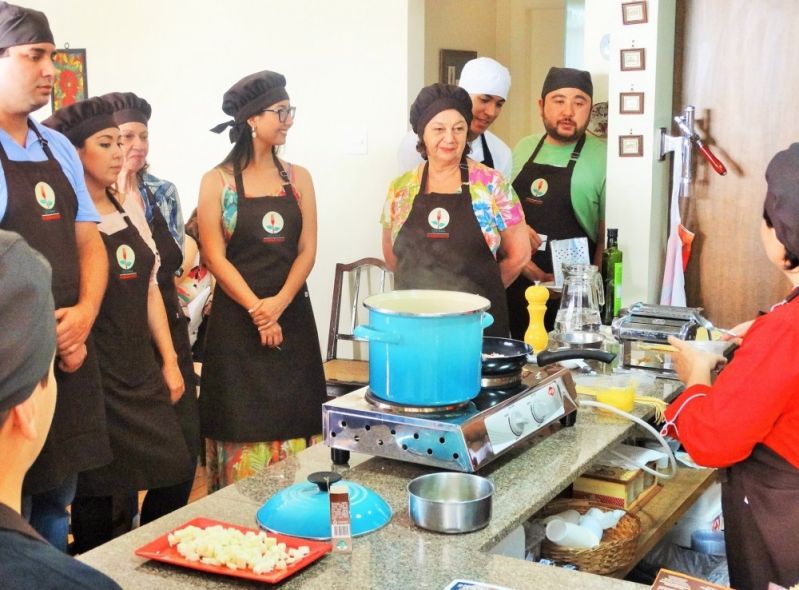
250	392
488	159
42	207
149	451
441	246
545	193
760	502
171	260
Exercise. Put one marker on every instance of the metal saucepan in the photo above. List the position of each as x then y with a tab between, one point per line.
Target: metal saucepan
450	502
502	356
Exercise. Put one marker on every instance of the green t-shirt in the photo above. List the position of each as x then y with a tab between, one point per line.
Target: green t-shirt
588	180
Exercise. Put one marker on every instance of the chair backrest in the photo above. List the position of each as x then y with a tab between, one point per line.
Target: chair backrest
357	270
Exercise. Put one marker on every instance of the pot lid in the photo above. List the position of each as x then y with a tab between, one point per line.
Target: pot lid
303	509
427	303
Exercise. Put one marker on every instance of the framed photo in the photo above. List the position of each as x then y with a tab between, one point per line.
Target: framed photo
631	103
70	83
631	146
633	13
633	59
450	64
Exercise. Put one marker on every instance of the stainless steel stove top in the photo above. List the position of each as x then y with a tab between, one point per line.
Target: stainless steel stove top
462	439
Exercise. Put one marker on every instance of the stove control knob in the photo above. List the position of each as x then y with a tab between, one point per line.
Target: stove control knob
517	420
542	407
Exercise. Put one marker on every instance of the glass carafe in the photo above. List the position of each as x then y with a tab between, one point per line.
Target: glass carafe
581	299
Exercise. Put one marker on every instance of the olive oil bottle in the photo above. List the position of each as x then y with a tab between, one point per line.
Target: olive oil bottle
611	275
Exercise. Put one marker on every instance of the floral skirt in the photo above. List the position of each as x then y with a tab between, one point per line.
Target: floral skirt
228	462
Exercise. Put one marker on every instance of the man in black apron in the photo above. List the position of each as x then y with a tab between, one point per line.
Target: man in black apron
43	197
488	83
558	202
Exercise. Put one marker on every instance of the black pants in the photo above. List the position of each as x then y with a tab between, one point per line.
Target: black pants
97	520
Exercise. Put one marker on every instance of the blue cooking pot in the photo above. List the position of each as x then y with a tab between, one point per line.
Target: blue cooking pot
425	346
303	509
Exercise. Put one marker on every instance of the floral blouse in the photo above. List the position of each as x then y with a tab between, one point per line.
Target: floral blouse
495	204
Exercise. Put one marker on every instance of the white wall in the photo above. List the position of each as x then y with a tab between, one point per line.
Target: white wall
348	71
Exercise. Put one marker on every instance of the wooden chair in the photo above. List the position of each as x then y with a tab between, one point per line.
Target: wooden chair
345	374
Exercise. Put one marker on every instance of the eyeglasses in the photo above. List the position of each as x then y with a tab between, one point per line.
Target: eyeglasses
283	113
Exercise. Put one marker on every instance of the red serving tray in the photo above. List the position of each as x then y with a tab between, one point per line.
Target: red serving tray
159	550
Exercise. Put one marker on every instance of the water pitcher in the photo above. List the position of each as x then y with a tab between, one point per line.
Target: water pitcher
580	302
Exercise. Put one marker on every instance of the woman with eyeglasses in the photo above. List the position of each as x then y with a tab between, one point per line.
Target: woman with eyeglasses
262	381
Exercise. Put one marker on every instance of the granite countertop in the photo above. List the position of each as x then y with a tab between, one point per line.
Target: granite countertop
400	555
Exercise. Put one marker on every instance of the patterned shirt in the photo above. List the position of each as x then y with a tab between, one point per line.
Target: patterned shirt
495	204
168	201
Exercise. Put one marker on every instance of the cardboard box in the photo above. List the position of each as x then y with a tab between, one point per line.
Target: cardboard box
615	486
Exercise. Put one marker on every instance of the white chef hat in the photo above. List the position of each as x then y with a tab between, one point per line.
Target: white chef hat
484	75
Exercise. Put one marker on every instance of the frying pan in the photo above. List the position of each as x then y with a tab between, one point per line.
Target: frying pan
514	354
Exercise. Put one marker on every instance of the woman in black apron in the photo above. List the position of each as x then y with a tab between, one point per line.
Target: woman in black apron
132	114
448	238
747	421
149	451
262	381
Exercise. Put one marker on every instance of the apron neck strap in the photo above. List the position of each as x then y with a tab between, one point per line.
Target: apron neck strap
42	140
118	207
287	188
578	147
464	171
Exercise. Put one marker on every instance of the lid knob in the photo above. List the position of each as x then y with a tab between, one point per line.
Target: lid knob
324	479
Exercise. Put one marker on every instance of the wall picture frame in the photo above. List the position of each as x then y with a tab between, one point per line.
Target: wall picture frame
450	64
633	13
631	103
633	59
70	84
631	146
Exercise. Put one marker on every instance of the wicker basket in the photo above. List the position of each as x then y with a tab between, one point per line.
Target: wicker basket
615	551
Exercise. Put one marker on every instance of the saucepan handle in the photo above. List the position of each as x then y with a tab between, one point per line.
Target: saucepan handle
554	356
368	333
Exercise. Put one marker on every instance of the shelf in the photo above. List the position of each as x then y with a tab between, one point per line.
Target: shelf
666	507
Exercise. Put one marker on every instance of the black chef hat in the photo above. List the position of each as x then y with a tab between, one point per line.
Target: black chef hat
82	119
128	108
22	26
558	78
782	197
435	98
249	96
27	340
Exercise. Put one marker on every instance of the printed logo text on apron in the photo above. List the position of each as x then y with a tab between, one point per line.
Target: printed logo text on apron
126	258
273	224
45	196
438	220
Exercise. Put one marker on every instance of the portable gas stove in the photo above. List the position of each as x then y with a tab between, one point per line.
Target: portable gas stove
460	438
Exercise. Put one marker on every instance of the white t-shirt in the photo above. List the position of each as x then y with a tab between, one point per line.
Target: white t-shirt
409	158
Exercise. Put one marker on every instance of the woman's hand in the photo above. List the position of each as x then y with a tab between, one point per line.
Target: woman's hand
69	363
534	273
271	336
266	312
173	380
694	366
740	330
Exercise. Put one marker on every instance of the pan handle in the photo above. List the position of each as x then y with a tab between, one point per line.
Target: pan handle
549	357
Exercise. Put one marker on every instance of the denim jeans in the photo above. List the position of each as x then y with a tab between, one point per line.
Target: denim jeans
47	512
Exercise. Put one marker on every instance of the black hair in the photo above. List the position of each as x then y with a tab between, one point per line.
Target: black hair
242	152
791	259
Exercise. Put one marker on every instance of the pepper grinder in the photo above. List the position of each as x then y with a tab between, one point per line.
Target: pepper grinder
536	334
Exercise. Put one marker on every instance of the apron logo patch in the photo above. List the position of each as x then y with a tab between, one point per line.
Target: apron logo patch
273	224
438	221
539	188
45	196
126	257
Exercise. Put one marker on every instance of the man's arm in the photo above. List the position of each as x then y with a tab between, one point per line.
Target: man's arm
74	323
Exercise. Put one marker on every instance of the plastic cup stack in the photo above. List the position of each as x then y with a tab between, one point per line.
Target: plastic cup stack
570	529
